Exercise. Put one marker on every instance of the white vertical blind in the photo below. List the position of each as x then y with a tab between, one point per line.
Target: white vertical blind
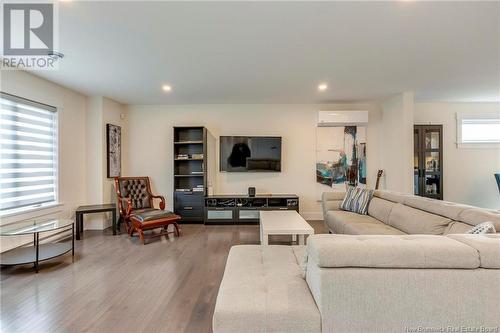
28	153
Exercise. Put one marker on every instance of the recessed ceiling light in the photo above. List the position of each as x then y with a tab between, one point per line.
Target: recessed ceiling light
322	86
166	88
55	55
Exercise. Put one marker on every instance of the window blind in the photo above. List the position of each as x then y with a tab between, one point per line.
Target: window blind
28	152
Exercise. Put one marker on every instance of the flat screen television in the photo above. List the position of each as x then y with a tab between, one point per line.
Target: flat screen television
250	154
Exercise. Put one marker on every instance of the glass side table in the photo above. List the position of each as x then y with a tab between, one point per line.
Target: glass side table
37	252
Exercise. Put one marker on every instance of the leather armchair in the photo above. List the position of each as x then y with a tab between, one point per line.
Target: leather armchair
136	206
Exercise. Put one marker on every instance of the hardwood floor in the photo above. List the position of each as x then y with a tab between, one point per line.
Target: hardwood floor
116	284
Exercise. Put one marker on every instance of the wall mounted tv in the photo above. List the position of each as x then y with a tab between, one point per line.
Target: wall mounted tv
250	154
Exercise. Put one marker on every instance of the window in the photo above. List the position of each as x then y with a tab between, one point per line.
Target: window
28	154
478	131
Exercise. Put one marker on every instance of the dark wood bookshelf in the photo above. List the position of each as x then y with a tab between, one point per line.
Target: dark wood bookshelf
189	140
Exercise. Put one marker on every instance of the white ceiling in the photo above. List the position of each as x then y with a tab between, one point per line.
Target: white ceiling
278	52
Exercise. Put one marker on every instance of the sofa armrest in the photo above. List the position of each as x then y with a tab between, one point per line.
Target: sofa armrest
331	201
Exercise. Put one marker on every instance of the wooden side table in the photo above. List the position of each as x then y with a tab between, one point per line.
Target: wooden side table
90	209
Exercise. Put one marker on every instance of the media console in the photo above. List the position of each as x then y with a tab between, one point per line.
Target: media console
231	209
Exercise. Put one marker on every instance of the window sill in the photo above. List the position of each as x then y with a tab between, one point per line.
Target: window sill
479	145
27	210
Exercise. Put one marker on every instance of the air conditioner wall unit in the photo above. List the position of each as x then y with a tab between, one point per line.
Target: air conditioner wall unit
342	118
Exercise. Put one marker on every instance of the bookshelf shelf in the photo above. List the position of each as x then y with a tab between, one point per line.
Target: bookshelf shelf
192	142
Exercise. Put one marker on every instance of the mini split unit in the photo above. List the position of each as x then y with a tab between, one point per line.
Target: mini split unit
342	118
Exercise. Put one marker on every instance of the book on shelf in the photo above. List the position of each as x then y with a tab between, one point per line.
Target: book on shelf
197	189
197	156
196	172
182	190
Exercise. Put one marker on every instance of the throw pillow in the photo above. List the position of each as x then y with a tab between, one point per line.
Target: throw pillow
356	200
483	228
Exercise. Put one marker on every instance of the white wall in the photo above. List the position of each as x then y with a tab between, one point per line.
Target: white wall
151	135
93	160
71	116
100	189
112	114
397	143
468	172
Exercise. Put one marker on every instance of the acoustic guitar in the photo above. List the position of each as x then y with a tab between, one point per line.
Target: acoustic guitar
379	175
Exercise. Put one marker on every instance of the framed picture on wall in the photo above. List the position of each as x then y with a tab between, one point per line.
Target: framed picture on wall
114	150
340	157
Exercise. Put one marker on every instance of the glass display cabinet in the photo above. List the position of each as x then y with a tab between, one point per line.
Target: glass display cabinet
428	161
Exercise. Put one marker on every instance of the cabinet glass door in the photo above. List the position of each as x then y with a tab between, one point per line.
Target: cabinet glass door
432	140
416	162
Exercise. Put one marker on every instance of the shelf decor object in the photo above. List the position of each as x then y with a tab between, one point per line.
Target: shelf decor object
33	254
428	161
194	170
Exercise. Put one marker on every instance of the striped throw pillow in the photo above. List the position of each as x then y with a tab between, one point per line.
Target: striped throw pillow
356	200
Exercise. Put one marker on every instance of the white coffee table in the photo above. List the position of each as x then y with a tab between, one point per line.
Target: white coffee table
283	222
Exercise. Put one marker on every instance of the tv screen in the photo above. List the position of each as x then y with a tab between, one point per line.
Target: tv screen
250	154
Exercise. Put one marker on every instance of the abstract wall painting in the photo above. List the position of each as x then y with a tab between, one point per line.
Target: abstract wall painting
340	156
114	150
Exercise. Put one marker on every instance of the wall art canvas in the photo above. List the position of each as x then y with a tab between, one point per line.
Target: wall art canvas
114	150
340	157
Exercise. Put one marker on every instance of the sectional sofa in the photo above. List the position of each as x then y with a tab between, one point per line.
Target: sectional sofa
391	213
388	281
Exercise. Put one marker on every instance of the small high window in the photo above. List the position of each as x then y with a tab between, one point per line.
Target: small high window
475	131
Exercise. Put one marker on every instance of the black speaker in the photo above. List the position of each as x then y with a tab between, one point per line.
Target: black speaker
251	191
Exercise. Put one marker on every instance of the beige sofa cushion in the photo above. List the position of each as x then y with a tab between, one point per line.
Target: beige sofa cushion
337	220
371	228
263	291
391	196
415	221
444	208
407	251
331	201
474	216
488	247
456	227
380	209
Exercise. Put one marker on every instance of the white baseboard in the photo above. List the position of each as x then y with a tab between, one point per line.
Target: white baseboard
312	216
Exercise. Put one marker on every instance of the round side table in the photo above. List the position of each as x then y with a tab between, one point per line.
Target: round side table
37	252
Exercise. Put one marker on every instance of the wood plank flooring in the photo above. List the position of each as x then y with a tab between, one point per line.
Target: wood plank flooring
116	284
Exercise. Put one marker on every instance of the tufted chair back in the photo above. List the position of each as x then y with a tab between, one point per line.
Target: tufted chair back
137	189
